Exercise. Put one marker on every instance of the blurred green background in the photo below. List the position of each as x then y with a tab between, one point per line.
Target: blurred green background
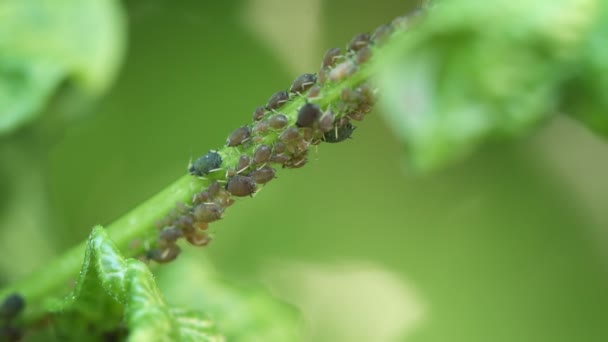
509	245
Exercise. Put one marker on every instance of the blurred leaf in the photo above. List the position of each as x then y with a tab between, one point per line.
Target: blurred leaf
129	283
43	43
477	70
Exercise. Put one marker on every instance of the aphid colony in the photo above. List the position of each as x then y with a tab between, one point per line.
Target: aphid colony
272	138
10	308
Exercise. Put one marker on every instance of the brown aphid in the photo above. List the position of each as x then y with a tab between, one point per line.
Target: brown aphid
330	57
277	121
263	175
164	255
241	186
359	41
290	135
238	136
356	115
261	154
226	201
277	100
296	162
258	113
363	55
214	189
323	75
201	225
184	221
231	172
314	92
350	95
198	239
302	83
307	133
381	34
342	71
279	147
170	234
243	163
279	158
208	212
261	127
308	115
202	196
326	122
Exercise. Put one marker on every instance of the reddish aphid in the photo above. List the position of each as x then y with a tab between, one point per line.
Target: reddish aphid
302	83
330	57
277	121
238	136
263	175
258	113
277	100
289	135
308	115
359	41
261	154
208	212
241	186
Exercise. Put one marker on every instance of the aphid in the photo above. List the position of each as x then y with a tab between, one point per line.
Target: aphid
289	135
330	57
363	55
350	95
302	83
322	75
326	122
277	100
231	172
342	71
238	136
279	147
226	201
208	212
241	186
340	133
277	121
12	306
296	162
307	133
359	41
258	113
184	221
261	127
198	239
243	163
214	189
164	255
314	91
279	158
205	164
356	115
261	155
170	234
308	115
263	175
202	196
380	34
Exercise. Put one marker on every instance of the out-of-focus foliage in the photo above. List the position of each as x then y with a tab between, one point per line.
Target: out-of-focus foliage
477	70
44	43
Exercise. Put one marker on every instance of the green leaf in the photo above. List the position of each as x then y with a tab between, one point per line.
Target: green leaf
473	71
44	43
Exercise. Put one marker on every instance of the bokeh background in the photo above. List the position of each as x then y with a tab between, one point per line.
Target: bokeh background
507	245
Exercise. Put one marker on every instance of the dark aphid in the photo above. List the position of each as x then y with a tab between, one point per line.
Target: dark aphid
198	239
202	196
314	91
330	57
363	55
214	189
323	75
170	234
12	306
164	255
342	71
208	212
339	134
263	175
277	121
302	83
258	113
359	41
308	115
381	33
261	155
279	147
243	163
241	186
205	164
326	123
238	136
290	135
261	127
279	158
277	100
